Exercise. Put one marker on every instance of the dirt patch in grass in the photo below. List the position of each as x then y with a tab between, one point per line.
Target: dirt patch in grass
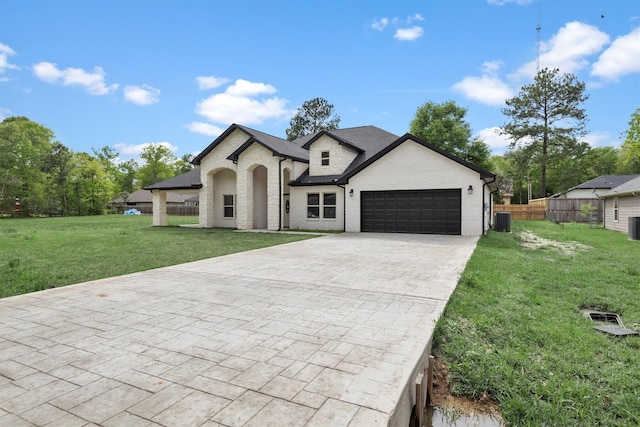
442	396
531	240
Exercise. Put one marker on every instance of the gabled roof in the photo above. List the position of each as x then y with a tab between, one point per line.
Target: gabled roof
604	182
186	181
377	150
627	188
277	146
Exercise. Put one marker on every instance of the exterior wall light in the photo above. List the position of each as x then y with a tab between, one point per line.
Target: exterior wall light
351	193
470	189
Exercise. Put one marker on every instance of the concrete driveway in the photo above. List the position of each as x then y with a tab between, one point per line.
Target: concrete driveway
325	332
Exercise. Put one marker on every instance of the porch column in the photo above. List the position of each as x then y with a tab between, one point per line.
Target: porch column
159	208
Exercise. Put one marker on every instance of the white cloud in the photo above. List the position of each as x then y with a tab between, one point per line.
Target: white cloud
93	82
246	88
600	139
621	58
240	103
226	108
142	95
408	34
5	53
380	24
492	137
487	89
568	49
205	129
416	17
210	82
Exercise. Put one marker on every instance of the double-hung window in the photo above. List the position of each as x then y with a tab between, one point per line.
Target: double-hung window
321	205
228	205
324	158
616	216
329	205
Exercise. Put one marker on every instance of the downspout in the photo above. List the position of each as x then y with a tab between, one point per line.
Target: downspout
282	159
491	205
344	207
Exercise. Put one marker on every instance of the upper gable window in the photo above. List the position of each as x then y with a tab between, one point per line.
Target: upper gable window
325	158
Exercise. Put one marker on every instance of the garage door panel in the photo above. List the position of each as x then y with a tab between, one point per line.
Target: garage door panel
412	211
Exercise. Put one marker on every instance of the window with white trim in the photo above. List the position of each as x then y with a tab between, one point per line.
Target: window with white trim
321	205
325	158
615	210
329	205
228	200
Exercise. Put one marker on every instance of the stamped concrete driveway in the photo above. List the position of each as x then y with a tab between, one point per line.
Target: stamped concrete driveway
325	332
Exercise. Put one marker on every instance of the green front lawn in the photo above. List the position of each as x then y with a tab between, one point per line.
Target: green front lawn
36	254
513	328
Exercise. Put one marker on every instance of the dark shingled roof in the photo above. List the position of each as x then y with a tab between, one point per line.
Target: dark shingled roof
278	146
189	180
629	187
372	143
604	181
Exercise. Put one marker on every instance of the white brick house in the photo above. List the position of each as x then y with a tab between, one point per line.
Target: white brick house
354	179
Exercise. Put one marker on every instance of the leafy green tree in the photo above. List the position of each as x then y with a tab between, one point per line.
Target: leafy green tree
91	184
315	115
630	149
444	126
183	164
547	119
58	167
126	178
601	161
158	166
24	145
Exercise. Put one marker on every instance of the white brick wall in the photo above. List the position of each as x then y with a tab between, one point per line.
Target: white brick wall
412	166
299	218
339	157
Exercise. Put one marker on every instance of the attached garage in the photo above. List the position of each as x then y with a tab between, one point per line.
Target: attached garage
412	211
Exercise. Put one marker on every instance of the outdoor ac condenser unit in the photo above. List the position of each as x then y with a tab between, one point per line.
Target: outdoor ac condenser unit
502	221
634	228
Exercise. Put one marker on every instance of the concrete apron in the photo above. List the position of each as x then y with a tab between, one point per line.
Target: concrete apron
328	331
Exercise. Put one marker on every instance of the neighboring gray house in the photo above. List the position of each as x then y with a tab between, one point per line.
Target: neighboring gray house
620	203
142	197
353	179
596	187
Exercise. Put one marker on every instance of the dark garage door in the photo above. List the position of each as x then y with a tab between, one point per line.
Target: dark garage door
411	211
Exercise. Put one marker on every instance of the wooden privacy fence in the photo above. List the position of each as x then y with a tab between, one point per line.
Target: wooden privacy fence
554	209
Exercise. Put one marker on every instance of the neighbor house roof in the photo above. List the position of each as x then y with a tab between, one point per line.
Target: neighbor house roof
604	182
630	187
186	181
278	146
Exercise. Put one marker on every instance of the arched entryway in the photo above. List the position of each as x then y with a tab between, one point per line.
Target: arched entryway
223	195
260	198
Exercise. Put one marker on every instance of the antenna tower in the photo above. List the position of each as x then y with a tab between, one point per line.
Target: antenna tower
538	28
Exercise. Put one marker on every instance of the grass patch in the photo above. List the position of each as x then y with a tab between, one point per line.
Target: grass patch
37	254
513	329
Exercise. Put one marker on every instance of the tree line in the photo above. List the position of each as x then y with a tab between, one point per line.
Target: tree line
546	124
41	176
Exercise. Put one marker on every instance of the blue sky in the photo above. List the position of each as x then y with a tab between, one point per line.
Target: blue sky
126	73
